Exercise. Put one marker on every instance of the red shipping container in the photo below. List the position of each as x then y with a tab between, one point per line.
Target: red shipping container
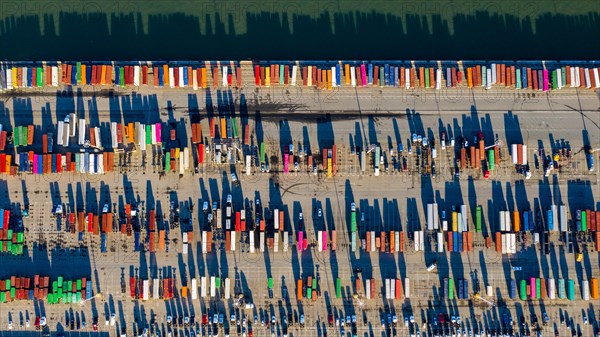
372	288
498	242
286	74
215	77
304	76
238	77
256	75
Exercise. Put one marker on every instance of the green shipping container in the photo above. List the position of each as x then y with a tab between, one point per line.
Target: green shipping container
450	289
426	77
54	286
24	136
583	221
491	159
338	288
538	288
314	285
148	134
13	292
478	219
518	75
122	76
9	234
308	292
20	237
2	297
262	152
17	136
60	281
564	76
50	298
79	285
78	72
1	246
234	127
523	290
9	246
571	290
40	77
218	282
270	283
69	285
353	222
74	297
78	297
168	162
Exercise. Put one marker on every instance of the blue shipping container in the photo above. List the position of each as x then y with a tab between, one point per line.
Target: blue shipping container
465	290
103	242
455	241
88	74
550	220
338	70
524	77
370	73
117	78
161	80
1	219
136	240
185	76
460	242
460	289
525	221
513	289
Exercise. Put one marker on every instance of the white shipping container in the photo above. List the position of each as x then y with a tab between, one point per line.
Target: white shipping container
294	70
563	218
504	243
181	163
368	289
186	158
233	240
438	79
203	286
225	72
181	83
66	134
171	77
204	242
551	289
97	136
153	135
407	287
524	154
422	240
286	238
251	235
372	241
416	241
352	77
276	218
333	77
227	288
185	249
155	289
597	78
54	76
92	162
261	242
194	288
113	135
430	217
436	217
101	163
81	131
463	213
513	154
276	242
392	289
9	77
407	77
397	241
440	242
146	290
60	134
559	79
513	243
508	224
585	288
445	225
488	78
388	291
213	286
588	82
320	241
136	76
572	75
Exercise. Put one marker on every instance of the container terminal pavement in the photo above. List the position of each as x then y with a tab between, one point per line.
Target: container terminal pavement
301	210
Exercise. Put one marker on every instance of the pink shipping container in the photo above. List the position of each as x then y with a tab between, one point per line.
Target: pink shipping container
363	75
324	239
300	241
286	164
532	285
545	79
158	133
35	164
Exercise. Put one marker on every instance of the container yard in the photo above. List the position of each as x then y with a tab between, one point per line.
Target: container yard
299	199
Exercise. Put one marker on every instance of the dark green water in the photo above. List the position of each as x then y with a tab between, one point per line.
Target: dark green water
292	30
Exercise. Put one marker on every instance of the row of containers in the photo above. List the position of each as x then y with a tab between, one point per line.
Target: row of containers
540	289
162	288
57	291
12	234
308	288
458	289
52	163
542	76
472	156
392	288
434	76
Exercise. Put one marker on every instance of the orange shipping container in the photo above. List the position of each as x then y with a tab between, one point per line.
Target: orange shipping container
401	241
227	241
470	244
472	156
516	221
450	242
477	156
161	240
598	241
498	242
382	243
392	242
184	291
594	288
463	157
299	289
481	149
368	242
519	153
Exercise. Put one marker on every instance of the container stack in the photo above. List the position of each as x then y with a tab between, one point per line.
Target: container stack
308	288
69	291
12	234
393	289
506	238
460	239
